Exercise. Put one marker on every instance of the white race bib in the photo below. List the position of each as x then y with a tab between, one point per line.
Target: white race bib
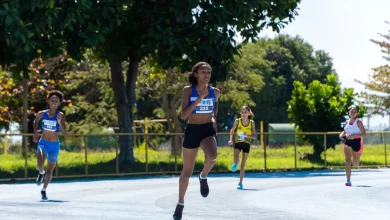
241	136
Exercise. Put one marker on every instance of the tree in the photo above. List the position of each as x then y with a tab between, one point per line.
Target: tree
58	25
320	107
200	30
89	103
39	29
378	85
120	31
87	84
21	40
12	91
43	78
245	78
163	86
10	100
288	59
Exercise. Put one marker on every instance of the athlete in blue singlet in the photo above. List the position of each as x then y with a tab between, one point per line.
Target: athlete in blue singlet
199	107
49	144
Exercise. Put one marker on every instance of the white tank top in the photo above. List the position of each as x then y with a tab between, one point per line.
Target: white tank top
352	128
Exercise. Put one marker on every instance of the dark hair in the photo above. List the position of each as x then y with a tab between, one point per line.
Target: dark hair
191	76
251	115
56	93
353	106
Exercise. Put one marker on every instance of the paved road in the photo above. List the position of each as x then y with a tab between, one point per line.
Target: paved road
306	195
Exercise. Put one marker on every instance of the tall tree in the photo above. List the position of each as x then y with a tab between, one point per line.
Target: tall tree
320	107
119	30
21	41
87	85
200	30
292	59
39	29
378	85
245	78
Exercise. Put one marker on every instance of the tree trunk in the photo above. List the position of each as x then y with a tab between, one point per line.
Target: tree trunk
177	143
316	156
132	73
176	123
165	107
131	79
173	122
30	130
126	156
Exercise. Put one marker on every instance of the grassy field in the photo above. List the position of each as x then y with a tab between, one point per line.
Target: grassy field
103	162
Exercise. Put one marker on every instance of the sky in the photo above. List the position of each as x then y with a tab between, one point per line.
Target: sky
343	28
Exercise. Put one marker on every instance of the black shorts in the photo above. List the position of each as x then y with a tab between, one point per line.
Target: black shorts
242	146
195	133
355	144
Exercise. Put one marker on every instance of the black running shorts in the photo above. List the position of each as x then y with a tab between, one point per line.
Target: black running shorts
355	144
195	133
242	146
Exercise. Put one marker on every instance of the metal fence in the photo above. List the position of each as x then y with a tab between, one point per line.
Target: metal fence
99	154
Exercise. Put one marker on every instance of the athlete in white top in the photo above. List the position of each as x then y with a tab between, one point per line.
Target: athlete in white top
352	138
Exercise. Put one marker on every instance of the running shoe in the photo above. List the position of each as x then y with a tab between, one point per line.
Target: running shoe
40	179
43	194
178	212
234	167
204	187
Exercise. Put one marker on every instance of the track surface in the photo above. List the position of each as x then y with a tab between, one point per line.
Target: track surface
306	195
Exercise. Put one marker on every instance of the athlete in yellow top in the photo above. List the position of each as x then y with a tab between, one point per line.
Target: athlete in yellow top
245	131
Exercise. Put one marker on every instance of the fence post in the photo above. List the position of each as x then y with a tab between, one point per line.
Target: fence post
384	141
116	154
134	132
261	133
86	154
295	151
25	156
176	146
325	163
263	145
146	144
6	144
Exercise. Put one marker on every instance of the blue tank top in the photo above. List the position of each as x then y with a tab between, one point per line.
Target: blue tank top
207	104
50	124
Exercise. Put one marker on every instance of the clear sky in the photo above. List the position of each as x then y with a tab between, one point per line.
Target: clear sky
343	28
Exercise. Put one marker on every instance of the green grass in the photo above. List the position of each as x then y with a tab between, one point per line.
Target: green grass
103	162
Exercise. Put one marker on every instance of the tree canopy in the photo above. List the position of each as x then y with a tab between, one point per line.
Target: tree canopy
320	107
173	33
378	85
286	59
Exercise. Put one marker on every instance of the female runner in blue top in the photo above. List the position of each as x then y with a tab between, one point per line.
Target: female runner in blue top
199	107
49	144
